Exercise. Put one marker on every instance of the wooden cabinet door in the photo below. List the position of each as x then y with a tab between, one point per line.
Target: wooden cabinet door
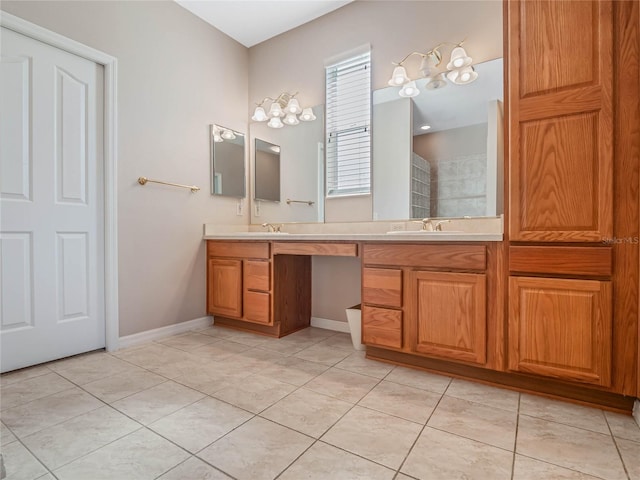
224	287
257	307
561	328
450	311
560	120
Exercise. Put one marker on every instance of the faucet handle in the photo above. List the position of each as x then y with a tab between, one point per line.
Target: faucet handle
438	225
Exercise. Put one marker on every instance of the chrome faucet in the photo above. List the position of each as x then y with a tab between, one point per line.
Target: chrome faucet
428	224
437	227
272	228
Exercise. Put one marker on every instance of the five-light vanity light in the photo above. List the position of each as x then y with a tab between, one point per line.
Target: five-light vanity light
284	110
460	71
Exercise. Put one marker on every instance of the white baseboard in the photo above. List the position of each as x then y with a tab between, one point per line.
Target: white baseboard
636	411
327	324
156	333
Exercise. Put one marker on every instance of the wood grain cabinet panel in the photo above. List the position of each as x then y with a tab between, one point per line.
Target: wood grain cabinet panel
561	328
382	286
224	287
257	307
450	311
256	275
561	120
381	327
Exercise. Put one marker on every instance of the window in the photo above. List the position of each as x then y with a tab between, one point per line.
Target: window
348	126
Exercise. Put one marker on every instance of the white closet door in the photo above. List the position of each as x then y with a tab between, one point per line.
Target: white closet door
51	203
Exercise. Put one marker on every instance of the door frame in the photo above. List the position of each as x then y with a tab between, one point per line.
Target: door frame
110	131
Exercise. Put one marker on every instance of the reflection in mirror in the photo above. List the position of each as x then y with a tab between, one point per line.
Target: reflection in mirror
227	162
267	171
440	154
301	171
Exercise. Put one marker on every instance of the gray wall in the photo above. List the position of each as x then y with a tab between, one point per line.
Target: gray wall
169	90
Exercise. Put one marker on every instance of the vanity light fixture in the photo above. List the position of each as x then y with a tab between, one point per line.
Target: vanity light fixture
459	70
284	110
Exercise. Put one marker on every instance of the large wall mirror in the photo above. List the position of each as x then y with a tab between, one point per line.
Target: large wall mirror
227	162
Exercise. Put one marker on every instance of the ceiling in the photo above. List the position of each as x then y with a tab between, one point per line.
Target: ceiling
253	21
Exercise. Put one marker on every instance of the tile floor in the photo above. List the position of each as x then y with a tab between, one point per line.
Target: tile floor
220	404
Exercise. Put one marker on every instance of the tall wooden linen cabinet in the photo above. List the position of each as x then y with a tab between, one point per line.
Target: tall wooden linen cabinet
572	211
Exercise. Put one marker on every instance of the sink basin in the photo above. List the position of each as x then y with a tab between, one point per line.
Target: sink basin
423	232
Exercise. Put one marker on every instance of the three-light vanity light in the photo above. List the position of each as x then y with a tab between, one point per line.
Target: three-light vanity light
460	70
284	110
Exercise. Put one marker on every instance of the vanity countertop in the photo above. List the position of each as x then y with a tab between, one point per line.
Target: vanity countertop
360	237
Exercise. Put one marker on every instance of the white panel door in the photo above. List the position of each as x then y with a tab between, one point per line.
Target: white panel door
51	203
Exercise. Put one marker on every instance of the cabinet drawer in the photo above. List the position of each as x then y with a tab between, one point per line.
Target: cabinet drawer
216	248
459	257
320	248
381	326
382	286
257	307
256	275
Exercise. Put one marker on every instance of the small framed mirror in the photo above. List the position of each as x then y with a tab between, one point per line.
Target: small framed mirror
227	162
267	171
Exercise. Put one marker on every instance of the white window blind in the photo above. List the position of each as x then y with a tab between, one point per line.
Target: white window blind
348	126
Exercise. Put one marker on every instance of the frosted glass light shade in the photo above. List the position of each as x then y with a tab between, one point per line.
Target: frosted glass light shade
217	138
398	77
436	82
459	59
275	122
307	115
410	89
462	76
291	119
275	110
293	107
259	115
228	135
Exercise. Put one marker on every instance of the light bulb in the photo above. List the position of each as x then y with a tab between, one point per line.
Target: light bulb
228	135
307	115
291	119
275	110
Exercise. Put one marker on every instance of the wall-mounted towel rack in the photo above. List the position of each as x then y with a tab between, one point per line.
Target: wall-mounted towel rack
144	180
308	202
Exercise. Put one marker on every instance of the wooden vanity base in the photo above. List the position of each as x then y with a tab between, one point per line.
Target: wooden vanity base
513	381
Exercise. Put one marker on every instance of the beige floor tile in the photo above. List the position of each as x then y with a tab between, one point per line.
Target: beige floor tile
475	421
313	333
201	423
247	338
563	412
90	368
47	476
23	374
402	476
212	377
257	450
255	393
179	368
343	385
526	468
325	355
55	446
254	360
48	411
401	401
570	447
156	402
194	469
308	412
20	464
31	389
220	332
6	437
116	387
219	350
188	341
140	455
376	436
441	455
293	370
418	379
357	363
322	462
630	452
153	356
623	426
288	345
485	394
339	340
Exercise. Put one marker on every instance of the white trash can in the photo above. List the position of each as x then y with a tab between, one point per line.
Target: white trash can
354	317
